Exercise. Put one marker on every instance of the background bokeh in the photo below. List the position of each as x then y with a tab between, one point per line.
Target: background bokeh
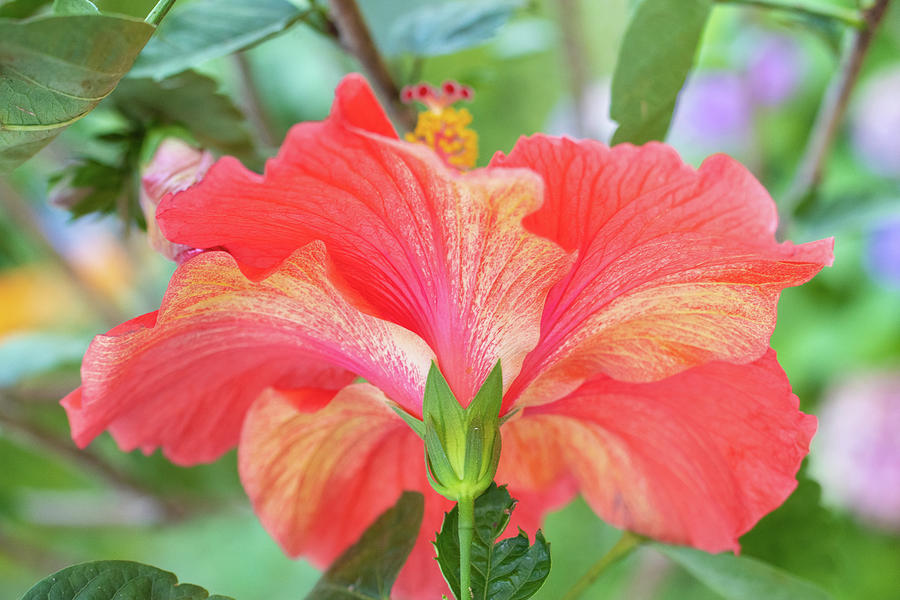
754	94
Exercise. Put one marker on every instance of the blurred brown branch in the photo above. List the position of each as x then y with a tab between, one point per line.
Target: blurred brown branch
33	435
253	105
831	112
354	36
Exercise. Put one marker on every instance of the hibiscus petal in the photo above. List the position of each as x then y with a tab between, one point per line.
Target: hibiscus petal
676	267
318	477
441	253
696	459
183	379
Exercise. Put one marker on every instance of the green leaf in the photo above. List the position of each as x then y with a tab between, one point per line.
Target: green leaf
198	31
115	580
191	100
654	60
90	186
138	9
188	105
511	569
433	30
20	9
741	578
801	536
54	70
75	7
369	568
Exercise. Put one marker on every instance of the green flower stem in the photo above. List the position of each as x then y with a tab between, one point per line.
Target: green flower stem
159	11
466	529
627	544
848	16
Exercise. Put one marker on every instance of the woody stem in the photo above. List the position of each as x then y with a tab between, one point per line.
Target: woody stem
831	112
466	528
627	544
355	37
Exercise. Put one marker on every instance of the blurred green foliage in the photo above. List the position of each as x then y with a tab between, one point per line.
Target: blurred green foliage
59	506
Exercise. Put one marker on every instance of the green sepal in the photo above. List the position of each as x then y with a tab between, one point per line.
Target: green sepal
462	445
417	426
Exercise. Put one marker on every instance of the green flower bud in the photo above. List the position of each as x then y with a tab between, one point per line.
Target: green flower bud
462	445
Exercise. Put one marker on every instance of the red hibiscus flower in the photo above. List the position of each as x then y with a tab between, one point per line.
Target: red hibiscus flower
629	297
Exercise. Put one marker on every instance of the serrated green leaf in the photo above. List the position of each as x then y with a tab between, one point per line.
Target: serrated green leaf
54	70
369	568
198	31
74	7
192	101
655	57
91	187
511	569
115	580
433	30
741	578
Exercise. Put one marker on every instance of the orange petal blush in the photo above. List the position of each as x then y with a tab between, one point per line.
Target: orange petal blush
675	268
694	459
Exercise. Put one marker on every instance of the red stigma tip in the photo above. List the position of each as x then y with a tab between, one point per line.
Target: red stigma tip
451	88
466	93
407	95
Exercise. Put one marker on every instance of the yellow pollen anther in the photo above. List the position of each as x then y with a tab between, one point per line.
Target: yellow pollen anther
445	131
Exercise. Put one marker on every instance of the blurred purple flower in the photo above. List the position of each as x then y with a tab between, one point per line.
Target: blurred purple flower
714	113
856	454
876	123
775	69
883	252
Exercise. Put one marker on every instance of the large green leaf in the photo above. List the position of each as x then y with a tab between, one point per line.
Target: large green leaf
369	568
188	105
741	578
19	9
511	569
54	70
74	7
205	29
654	60
433	30
132	8
115	580
191	100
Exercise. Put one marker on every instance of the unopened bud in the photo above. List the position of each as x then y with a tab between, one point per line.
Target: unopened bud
174	167
462	445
